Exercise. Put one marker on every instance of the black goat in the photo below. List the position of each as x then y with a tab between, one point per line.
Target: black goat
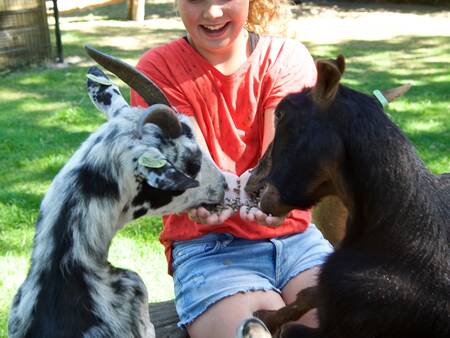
390	278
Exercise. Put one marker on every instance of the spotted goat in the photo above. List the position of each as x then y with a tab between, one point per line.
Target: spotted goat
140	162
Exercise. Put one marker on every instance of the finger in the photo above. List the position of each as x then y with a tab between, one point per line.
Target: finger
243	212
274	221
192	213
225	214
251	214
203	212
212	219
260	217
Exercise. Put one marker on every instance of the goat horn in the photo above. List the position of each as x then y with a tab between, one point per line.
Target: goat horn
164	117
149	91
392	94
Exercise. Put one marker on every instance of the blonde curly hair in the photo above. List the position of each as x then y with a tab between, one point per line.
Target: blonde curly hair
269	16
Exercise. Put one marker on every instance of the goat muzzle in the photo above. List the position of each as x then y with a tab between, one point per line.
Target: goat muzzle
271	202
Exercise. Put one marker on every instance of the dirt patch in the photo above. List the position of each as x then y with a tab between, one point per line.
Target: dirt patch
332	23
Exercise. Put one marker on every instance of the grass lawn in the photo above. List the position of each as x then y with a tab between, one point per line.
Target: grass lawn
45	112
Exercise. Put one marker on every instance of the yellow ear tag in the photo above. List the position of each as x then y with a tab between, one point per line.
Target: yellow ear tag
149	161
101	80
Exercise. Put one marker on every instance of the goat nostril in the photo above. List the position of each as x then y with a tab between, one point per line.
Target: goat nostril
225	185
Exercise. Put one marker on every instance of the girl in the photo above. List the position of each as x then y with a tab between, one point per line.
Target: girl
228	78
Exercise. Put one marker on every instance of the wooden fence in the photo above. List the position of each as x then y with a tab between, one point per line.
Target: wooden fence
24	34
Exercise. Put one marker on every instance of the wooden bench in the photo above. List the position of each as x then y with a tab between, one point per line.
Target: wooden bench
329	215
164	317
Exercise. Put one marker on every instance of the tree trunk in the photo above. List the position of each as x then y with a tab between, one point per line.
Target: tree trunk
136	10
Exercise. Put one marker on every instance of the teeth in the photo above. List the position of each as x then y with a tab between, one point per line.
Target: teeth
215	27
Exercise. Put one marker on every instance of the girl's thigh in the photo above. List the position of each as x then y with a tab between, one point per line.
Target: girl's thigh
223	318
223	279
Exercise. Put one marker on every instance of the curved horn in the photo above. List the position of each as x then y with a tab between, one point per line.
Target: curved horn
164	117
392	94
149	91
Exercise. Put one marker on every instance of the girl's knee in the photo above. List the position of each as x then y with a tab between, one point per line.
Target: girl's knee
224	317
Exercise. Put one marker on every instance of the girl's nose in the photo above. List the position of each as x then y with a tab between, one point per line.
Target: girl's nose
213	11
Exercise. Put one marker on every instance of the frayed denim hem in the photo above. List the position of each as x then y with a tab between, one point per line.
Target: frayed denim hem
190	319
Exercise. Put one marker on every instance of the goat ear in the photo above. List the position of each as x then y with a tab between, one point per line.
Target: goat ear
170	178
104	93
164	117
394	93
161	174
329	74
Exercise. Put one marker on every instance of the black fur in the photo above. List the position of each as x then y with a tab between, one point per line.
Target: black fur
156	197
58	312
96	182
390	277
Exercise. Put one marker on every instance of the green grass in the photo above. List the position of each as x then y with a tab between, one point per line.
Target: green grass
45	114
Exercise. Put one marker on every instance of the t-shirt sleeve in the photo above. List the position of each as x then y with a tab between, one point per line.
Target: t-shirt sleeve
156	67
293	71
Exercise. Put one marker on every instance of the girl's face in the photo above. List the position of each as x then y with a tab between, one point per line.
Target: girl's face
213	25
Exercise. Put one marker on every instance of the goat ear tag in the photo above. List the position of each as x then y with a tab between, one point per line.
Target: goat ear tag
101	80
149	161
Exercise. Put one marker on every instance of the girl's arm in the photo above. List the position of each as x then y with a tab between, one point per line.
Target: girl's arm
269	129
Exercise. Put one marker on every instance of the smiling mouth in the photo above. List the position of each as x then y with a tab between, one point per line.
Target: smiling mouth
214	29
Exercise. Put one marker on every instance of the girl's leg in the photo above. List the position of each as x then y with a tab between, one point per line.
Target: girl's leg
301	281
223	318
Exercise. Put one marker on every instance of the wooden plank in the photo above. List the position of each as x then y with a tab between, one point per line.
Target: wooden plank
14	20
24	35
164	317
18	4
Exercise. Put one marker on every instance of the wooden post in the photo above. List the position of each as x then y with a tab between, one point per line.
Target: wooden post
136	10
59	48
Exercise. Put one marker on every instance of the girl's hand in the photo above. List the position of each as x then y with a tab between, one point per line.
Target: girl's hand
204	216
230	206
250	211
255	215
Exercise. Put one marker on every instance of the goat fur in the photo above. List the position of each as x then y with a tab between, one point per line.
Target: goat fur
71	290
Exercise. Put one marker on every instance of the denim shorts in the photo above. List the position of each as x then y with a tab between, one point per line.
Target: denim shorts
217	265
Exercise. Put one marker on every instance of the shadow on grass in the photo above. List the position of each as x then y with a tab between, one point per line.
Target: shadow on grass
409	59
314	8
120	11
307	8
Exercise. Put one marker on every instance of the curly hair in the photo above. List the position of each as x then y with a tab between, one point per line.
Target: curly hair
268	16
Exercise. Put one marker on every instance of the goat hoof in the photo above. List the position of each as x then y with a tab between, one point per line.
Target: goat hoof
253	328
267	316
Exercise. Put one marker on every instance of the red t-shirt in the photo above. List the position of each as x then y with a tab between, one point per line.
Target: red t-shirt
230	112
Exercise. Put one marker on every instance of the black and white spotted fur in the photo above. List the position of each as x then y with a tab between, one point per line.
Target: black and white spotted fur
71	290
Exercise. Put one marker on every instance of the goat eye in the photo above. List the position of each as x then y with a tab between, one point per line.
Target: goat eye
193	167
278	115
